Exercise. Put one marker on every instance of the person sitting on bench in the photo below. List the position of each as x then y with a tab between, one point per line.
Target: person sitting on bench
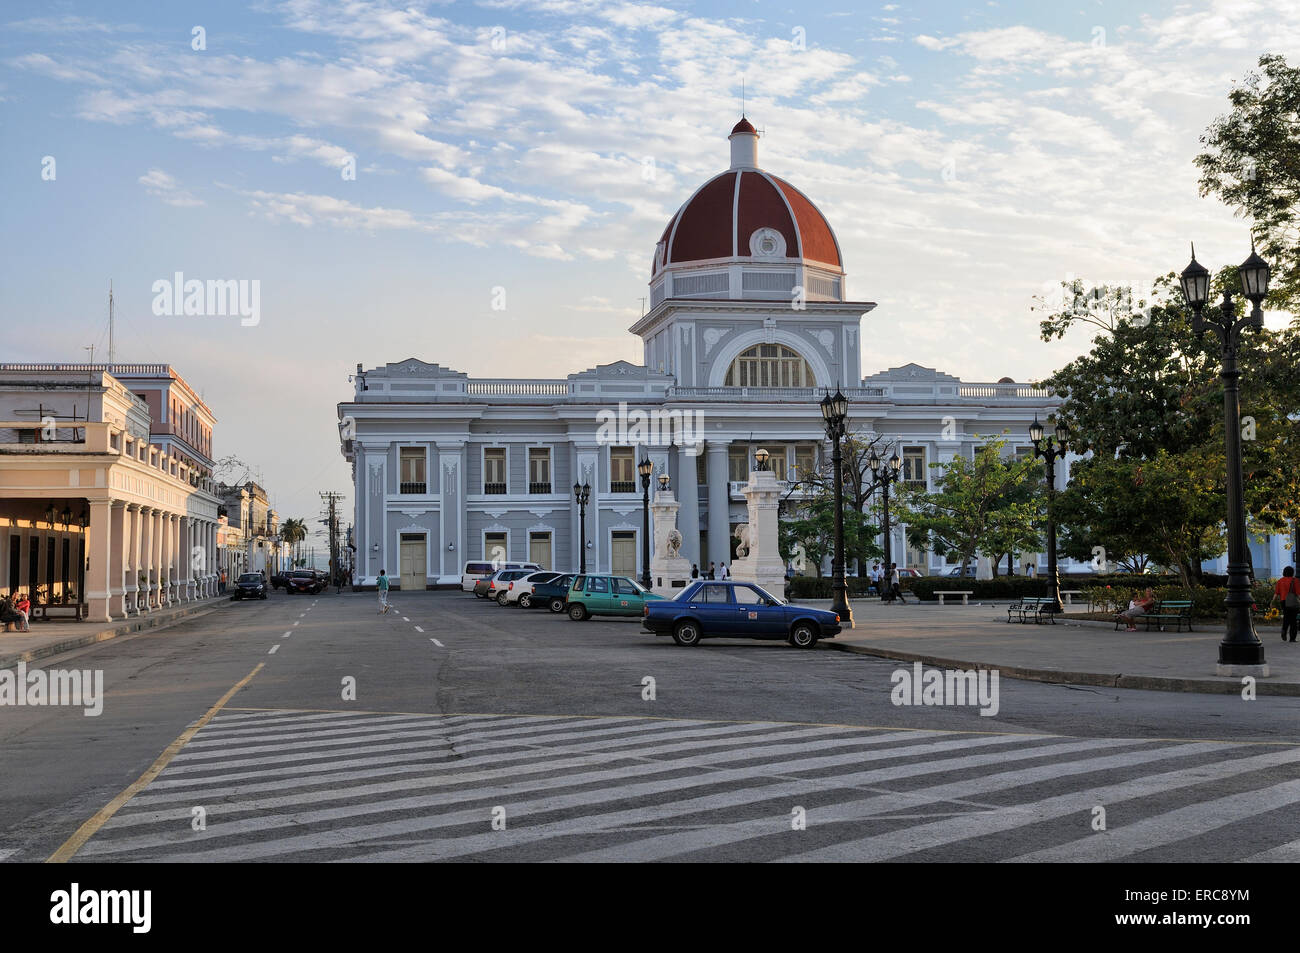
9	615
1138	607
24	607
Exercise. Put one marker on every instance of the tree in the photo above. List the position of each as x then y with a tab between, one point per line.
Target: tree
1147	401
1252	163
981	506
293	532
808	521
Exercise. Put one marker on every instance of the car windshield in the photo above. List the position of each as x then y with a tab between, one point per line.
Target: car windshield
251	577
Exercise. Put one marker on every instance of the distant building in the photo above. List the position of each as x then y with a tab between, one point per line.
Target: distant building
250	538
106	493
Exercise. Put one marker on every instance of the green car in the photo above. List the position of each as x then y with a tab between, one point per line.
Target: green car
607	595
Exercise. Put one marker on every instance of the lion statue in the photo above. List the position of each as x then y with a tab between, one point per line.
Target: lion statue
674	544
742	534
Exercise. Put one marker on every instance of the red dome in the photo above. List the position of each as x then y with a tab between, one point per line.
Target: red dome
744	126
720	218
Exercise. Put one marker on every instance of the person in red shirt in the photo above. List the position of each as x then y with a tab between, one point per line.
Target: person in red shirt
1287	592
24	605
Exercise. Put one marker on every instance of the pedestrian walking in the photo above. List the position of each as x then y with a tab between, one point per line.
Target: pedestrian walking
1287	591
221	586
895	585
722	572
695	571
383	592
713	571
875	579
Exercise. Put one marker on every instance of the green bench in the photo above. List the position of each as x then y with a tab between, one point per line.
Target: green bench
1034	607
1177	611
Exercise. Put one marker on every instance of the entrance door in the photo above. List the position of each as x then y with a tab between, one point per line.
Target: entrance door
539	549
623	554
413	562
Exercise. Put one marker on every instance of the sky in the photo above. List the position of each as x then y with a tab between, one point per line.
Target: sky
386	172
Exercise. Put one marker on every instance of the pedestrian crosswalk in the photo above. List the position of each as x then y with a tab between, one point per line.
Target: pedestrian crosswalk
341	786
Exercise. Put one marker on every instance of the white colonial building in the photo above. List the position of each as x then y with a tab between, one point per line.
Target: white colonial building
750	321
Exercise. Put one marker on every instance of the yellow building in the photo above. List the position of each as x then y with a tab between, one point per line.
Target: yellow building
107	507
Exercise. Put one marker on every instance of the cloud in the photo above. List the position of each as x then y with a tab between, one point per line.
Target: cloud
158	183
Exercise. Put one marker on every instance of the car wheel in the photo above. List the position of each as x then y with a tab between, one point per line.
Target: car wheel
687	633
803	636
525	601
578	612
501	598
557	605
264	595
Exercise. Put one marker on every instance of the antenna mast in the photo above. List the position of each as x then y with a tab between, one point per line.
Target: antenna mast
110	325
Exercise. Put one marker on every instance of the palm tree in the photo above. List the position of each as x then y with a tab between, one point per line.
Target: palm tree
293	532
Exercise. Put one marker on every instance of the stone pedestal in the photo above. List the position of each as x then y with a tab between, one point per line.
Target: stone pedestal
667	565
762	564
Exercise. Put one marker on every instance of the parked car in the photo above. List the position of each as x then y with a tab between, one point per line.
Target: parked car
522	589
910	574
482	570
249	585
737	610
956	571
607	595
554	594
303	580
498	581
279	580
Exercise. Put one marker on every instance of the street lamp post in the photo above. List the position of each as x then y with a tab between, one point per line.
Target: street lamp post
582	493
645	468
835	411
884	476
1240	645
1045	450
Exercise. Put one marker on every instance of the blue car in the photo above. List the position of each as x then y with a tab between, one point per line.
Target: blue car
737	610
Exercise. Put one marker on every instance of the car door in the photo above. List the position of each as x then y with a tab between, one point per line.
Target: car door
712	605
754	617
597	597
627	597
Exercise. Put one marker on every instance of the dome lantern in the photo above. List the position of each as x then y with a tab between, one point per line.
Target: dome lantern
744	145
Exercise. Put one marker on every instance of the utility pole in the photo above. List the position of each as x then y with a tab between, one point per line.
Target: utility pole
332	500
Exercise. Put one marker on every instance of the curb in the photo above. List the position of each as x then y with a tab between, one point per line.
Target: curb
1158	683
152	621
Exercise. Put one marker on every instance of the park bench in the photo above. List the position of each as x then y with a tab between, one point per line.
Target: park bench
964	593
1067	595
42	610
1177	611
1033	607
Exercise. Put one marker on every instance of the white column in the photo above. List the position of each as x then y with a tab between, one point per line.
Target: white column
156	557
688	494
100	551
719	506
118	564
136	519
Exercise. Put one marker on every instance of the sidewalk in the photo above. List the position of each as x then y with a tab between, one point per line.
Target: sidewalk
1072	652
58	636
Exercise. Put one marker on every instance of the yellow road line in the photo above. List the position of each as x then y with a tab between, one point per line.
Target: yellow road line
101	817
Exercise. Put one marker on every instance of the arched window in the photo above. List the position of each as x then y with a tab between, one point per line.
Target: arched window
769	365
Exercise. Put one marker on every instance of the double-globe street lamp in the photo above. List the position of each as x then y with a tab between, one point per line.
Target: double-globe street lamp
645	468
582	493
884	475
1050	452
835	411
1241	644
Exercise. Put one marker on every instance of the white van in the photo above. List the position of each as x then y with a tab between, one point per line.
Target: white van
482	568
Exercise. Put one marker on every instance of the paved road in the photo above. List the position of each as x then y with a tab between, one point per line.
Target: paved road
454	729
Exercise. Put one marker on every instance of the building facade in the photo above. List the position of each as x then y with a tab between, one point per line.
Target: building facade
106	493
249	538
750	322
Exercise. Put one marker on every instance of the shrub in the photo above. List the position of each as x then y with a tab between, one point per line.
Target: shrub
1207	603
819	587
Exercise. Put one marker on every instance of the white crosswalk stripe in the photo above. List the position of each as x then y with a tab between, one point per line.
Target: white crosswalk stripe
303	785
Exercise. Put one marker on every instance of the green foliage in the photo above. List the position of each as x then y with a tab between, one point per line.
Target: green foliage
989	506
1147	400
819	587
1207	602
1252	163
